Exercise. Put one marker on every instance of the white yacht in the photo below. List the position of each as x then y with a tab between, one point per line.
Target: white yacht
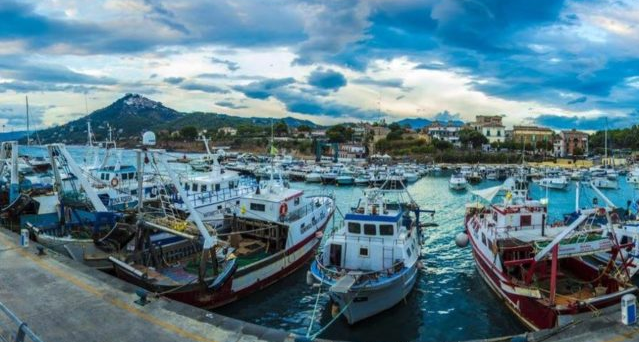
457	182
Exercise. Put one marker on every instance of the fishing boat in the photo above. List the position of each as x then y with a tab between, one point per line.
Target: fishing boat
211	193
633	177
345	177
557	182
315	176
182	260
370	262
457	182
274	232
537	268
78	224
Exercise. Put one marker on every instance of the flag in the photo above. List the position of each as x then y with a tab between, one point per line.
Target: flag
635	206
273	150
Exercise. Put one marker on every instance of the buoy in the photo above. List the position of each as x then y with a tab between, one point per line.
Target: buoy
461	240
309	278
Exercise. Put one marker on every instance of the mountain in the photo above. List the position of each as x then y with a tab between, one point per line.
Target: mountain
133	114
414	123
12	135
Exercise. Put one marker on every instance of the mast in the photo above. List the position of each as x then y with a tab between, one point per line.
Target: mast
28	131
606	142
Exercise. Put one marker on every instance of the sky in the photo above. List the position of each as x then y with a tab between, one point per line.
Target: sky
561	64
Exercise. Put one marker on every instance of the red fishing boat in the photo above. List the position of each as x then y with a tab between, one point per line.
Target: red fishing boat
541	271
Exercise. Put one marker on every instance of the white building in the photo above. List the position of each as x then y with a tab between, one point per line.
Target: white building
227	130
444	131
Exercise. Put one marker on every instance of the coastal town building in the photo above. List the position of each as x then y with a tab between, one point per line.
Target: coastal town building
447	131
490	126
532	135
228	131
571	143
318	134
348	151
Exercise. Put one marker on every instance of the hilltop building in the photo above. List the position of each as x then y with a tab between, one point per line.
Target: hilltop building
228	131
490	126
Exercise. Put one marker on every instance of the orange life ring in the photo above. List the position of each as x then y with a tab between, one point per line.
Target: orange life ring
283	209
114	182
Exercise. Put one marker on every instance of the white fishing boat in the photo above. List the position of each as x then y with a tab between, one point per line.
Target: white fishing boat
314	176
370	262
457	182
557	182
212	194
274	231
605	183
633	177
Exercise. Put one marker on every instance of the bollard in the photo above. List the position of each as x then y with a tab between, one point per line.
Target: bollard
24	238
629	309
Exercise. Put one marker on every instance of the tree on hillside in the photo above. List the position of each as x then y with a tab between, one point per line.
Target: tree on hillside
280	128
471	137
304	128
394	127
188	132
339	134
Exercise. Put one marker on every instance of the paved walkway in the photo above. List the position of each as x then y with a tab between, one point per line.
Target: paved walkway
65	301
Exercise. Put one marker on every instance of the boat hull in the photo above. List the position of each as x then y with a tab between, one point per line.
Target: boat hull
457	186
245	280
369	302
531	311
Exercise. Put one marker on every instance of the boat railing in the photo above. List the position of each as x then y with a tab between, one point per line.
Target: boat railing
337	273
369	239
221	195
22	329
317	202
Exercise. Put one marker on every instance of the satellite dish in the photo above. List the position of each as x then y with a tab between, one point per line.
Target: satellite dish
148	138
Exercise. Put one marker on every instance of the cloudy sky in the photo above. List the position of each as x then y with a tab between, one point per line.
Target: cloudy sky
557	63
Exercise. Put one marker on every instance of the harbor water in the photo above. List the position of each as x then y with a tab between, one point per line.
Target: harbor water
450	301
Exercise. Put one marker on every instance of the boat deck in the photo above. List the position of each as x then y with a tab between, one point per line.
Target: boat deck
62	300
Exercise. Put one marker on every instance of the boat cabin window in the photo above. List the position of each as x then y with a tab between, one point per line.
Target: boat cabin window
231	185
203	188
258	207
187	186
195	187
386	229
408	252
483	238
131	175
297	201
125	176
363	251
354	228
217	188
525	220
369	229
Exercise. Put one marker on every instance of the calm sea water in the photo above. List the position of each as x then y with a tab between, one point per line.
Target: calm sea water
450	301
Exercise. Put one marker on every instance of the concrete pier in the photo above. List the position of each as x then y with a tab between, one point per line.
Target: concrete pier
62	300
604	326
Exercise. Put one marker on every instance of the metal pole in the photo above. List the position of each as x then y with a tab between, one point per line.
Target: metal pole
140	172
